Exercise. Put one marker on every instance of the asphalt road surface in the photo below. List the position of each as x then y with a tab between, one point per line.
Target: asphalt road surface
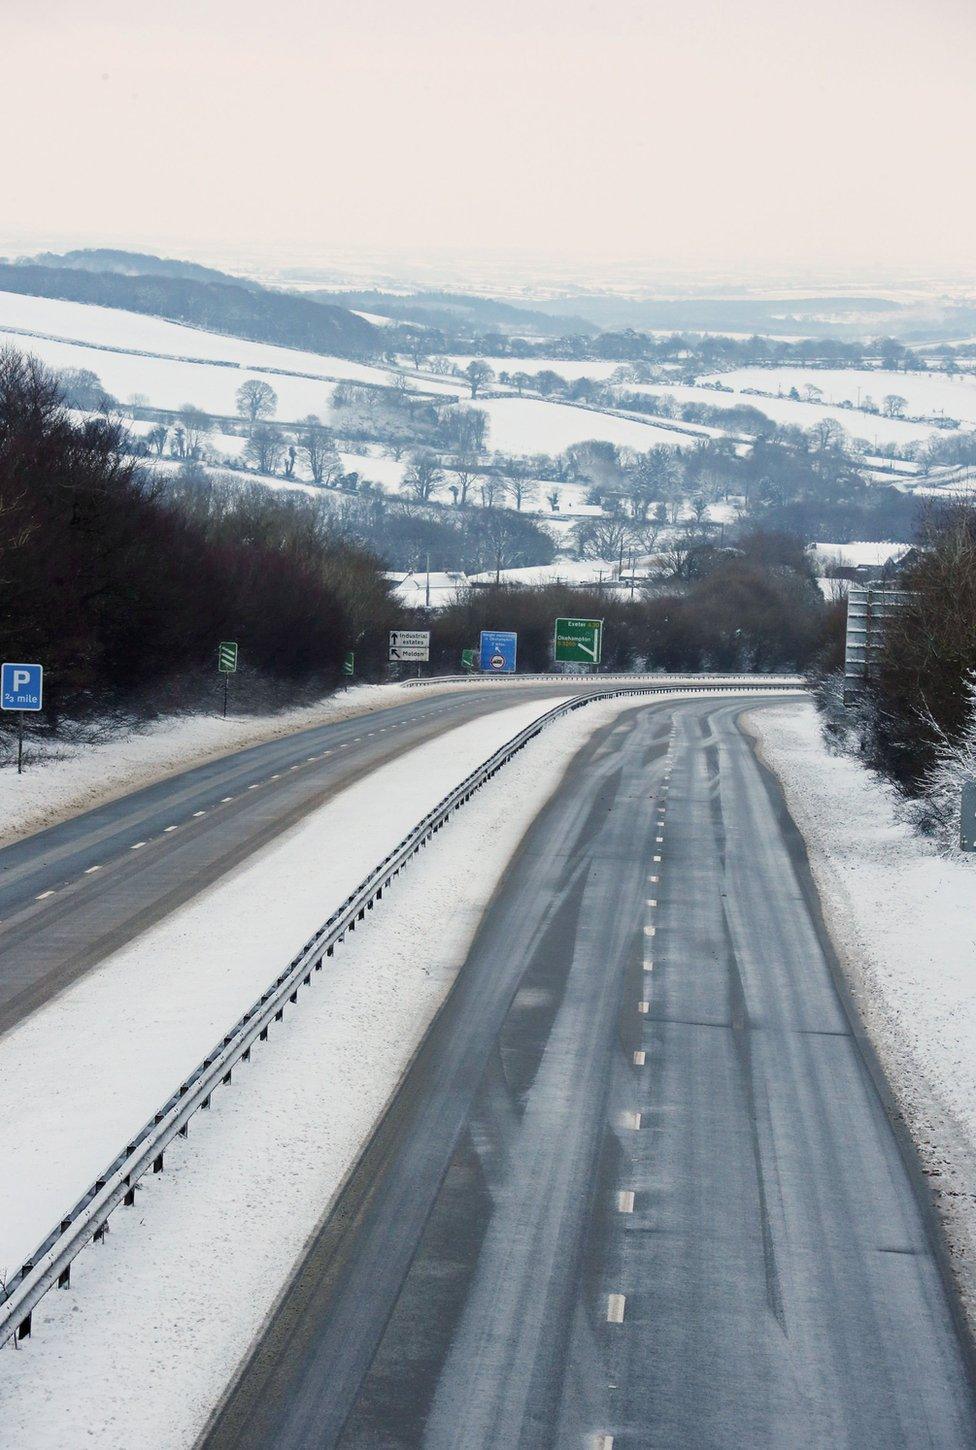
640	1186
72	894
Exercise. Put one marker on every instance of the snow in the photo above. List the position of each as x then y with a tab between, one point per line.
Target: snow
900	915
69	779
531	425
568	368
186	364
928	392
195	1267
137	1030
788	411
851	556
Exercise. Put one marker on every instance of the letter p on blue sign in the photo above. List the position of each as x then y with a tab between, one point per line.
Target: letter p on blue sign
21	687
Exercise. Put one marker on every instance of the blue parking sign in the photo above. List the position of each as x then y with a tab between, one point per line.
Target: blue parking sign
21	687
498	651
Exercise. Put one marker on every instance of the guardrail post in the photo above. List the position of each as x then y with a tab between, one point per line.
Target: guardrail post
158	1163
24	1328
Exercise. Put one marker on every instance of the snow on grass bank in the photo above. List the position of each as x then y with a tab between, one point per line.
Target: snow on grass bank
901	917
139	1349
66	779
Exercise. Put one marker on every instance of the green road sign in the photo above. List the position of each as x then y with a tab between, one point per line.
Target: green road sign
349	663
227	657
578	641
467	659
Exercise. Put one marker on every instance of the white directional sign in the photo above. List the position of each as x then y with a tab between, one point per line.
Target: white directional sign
409	644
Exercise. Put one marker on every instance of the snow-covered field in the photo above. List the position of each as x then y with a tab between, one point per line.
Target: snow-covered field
531	425
926	393
850	556
87	336
901	919
196	1265
873	429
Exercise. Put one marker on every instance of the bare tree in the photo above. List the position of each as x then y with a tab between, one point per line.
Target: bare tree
265	448
423	476
518	480
552	499
317	445
465	473
256	400
196	425
479	375
493	490
893	405
156	439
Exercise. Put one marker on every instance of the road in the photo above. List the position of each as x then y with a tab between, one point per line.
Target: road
72	894
640	1187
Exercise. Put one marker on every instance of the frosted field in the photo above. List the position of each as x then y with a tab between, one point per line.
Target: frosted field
109	327
926	392
531	425
870	427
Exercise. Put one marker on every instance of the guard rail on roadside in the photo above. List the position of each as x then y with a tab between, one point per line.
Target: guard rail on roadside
50	1263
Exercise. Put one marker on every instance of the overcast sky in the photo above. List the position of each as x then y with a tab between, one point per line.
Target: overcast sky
726	134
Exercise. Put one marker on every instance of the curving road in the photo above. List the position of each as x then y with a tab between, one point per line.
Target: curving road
641	1186
73	893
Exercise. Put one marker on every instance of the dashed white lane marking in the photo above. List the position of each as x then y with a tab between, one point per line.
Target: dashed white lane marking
640	1057
648	966
651	901
625	1201
198	813
254	786
138	846
643	1007
632	1120
659	840
616	1303
654	878
43	895
92	869
650	930
225	798
657	858
602	1442
277	775
167	829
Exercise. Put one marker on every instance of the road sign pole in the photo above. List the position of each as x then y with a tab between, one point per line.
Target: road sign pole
20	742
225	696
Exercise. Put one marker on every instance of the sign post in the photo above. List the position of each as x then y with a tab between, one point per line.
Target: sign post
227	663
498	651
578	641
409	644
21	689
967	817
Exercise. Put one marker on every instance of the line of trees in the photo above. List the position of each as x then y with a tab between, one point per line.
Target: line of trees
119	583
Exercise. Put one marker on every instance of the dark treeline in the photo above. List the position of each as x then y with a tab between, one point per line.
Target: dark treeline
755	607
120	585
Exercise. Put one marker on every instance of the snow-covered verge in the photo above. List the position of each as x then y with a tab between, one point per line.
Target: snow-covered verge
901	918
139	1349
66	779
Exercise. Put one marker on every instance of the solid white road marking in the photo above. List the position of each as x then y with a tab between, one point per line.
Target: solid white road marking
625	1201
616	1304
640	1057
